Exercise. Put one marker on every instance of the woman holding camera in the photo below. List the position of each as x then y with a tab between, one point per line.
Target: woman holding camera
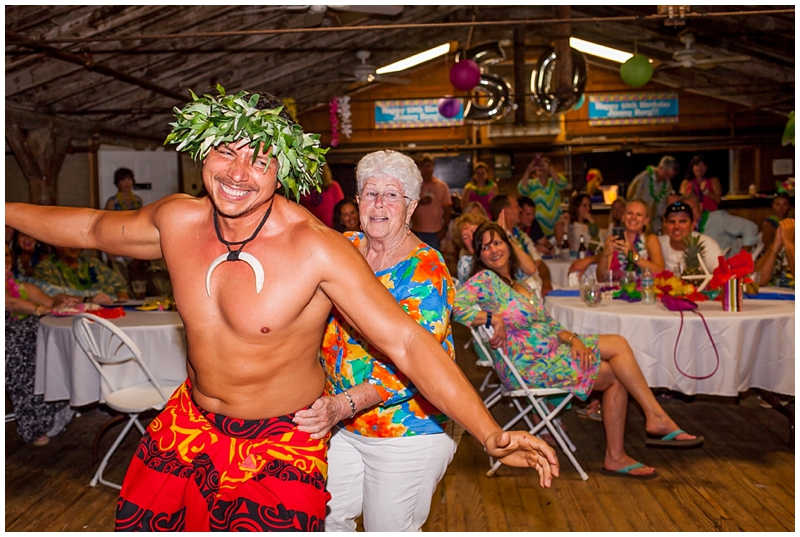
631	238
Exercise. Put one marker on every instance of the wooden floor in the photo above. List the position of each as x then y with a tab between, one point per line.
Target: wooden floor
742	479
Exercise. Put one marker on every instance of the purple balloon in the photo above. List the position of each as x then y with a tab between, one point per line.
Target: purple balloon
449	106
465	75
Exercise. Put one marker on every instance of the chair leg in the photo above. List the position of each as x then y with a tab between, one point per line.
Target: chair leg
485	382
98	476
99	435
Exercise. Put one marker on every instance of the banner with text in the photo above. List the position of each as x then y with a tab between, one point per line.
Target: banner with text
633	109
413	114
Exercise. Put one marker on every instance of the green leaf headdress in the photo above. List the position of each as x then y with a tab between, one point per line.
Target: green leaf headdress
208	121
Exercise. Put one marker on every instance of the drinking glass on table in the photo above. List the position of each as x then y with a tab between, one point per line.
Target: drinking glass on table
139	289
753	287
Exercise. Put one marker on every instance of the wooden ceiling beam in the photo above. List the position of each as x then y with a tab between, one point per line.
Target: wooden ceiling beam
89	65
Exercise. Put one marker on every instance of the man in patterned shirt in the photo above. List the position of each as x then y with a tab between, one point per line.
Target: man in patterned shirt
654	186
542	184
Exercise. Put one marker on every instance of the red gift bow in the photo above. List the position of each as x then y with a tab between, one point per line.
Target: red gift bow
737	266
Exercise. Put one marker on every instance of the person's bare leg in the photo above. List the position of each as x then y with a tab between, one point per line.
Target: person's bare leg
618	354
615	409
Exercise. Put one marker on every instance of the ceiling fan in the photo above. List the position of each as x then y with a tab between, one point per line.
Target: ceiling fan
365	73
692	57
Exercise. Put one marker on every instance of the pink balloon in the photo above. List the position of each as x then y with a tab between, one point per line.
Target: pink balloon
465	75
449	106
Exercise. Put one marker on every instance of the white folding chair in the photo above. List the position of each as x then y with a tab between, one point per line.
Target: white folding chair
105	344
535	397
485	360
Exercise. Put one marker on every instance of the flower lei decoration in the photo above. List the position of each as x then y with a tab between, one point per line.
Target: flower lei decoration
334	122
653	196
345	115
480	191
209	121
12	286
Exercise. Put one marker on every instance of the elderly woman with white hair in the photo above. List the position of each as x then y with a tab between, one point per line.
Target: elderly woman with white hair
391	446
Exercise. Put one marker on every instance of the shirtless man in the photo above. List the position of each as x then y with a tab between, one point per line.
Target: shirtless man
225	454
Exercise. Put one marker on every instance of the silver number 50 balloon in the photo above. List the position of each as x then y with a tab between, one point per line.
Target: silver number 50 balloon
497	92
546	95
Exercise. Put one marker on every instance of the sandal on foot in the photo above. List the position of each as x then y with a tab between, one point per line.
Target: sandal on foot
668	440
589	414
42	441
626	472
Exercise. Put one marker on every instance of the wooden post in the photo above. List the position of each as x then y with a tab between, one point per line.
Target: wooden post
521	85
94	174
563	68
40	154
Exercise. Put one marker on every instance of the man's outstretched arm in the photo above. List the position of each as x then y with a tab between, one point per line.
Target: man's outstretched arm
128	233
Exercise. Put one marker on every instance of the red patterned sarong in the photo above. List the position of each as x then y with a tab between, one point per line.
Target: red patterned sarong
199	471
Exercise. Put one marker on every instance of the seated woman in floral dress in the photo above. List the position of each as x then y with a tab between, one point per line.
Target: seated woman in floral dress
37	420
548	356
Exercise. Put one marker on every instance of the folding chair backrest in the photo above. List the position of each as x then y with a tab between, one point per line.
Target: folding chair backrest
105	344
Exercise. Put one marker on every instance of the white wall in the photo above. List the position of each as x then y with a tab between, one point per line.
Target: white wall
159	168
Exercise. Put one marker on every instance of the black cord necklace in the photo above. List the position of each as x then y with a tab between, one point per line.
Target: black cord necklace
239	255
233	255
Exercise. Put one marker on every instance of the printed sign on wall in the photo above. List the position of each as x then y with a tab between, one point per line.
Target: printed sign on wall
413	114
633	109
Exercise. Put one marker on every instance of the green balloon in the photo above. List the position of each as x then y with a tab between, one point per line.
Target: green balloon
637	71
788	131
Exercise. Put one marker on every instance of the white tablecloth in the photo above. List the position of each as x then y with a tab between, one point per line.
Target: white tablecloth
64	372
756	345
559	275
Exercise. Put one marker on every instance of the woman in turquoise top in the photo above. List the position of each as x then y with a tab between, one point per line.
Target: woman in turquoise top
549	356
543	185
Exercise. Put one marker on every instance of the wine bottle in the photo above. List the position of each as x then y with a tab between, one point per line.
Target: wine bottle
565	248
582	249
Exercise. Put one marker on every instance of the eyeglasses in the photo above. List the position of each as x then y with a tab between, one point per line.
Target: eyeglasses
390	197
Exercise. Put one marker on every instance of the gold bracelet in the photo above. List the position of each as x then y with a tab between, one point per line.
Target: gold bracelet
36	309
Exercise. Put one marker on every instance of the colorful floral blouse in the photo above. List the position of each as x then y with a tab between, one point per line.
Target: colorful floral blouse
92	275
422	286
532	342
547	199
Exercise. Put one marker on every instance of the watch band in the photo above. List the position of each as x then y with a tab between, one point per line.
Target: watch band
488	319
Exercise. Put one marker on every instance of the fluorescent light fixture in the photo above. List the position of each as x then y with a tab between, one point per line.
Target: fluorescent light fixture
599	50
416	59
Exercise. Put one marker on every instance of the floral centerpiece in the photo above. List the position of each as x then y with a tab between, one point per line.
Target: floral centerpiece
667	283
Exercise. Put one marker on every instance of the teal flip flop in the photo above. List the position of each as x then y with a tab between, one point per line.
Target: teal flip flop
668	440
626	472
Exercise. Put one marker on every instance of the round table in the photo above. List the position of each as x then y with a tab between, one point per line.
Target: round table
755	345
64	372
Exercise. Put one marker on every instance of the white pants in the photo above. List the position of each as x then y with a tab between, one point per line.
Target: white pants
390	480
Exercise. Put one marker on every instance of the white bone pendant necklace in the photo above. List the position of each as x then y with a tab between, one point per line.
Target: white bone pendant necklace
239	255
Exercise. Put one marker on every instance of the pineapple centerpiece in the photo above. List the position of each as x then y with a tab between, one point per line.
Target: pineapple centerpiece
694	271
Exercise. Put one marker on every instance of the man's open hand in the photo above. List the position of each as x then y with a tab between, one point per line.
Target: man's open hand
520	449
